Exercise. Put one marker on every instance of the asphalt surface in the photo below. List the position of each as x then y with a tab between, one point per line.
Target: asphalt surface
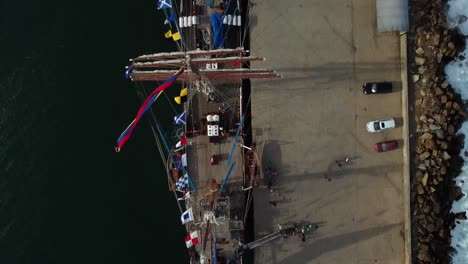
317	114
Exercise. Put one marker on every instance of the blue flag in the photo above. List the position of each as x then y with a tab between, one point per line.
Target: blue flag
180	119
172	17
164	4
129	71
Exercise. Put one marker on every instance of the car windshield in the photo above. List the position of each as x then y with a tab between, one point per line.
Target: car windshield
384	147
376	126
382	124
374	87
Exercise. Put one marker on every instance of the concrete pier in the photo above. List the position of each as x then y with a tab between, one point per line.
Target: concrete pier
315	115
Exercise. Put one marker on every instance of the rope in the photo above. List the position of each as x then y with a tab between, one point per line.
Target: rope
170	103
229	26
140	92
247	208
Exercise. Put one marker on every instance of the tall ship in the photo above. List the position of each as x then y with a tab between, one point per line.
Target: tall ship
212	166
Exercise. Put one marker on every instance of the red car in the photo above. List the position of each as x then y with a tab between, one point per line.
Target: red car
386	146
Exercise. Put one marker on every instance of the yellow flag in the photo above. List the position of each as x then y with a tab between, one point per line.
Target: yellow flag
178	100
184	92
168	34
176	36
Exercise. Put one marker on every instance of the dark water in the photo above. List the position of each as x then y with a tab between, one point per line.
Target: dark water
65	195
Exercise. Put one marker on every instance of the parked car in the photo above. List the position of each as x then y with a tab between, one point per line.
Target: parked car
379	125
386	146
377	87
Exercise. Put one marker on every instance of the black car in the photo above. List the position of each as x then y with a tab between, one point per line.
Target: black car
377	87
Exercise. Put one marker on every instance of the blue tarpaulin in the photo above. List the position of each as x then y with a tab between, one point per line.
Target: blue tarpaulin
218	30
209	3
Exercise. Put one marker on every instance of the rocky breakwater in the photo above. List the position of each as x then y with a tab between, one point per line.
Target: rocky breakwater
436	116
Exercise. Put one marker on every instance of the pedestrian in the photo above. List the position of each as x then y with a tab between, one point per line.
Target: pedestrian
338	163
272	203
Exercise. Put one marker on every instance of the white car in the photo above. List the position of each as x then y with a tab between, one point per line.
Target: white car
379	125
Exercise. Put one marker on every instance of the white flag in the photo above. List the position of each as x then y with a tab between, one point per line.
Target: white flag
185	197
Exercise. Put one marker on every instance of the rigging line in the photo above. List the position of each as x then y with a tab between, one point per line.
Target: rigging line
170	26
157	141
178	30
229	26
247	21
192	184
190	110
240	28
160	149
170	182
168	175
170	103
227	8
142	96
249	201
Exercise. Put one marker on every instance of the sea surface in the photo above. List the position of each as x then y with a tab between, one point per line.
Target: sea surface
457	76
65	195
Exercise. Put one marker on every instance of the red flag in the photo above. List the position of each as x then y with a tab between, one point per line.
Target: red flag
192	239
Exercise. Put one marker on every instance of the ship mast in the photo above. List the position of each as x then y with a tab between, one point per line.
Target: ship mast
209	63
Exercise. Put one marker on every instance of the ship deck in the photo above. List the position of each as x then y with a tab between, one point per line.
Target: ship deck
226	224
218	214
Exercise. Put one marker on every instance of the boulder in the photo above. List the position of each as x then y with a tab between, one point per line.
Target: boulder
426	136
443	170
422	167
446	155
430	144
422	69
419	61
435	40
461	216
420	189
425	155
443	99
439	118
443	145
450	45
438	91
424	179
439	133
419	51
451	129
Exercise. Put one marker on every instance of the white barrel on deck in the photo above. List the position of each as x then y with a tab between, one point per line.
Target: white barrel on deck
209	118
194	20
215	118
189	21
181	22
229	19
185	22
234	20
225	20
239	23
